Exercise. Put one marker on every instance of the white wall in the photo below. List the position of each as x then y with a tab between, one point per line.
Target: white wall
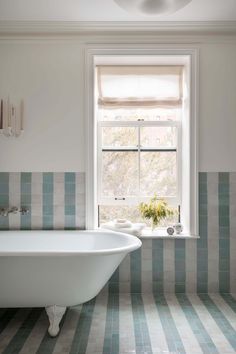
217	141
48	75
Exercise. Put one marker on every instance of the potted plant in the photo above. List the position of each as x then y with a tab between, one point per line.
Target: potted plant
156	210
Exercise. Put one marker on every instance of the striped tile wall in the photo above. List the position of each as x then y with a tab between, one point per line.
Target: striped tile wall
206	265
55	200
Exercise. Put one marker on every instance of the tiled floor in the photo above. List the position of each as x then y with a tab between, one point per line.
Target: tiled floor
126	323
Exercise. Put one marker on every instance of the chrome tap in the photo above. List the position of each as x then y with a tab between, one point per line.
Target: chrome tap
24	210
4	212
7	211
13	210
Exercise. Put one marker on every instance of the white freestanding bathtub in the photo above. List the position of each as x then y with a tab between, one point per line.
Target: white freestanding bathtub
56	269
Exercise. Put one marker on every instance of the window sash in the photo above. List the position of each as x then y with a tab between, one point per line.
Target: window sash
132	200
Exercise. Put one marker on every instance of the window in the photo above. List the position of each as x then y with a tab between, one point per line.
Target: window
139	143
176	107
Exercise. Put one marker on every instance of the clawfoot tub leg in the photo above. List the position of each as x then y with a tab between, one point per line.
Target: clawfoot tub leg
55	314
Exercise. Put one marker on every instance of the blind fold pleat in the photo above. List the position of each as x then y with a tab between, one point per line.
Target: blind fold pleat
136	86
132	102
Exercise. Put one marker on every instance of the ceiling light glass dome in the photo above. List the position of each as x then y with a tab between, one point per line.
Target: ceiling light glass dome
152	7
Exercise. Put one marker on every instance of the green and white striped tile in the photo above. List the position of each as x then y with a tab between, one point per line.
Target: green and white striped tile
4	198
232	232
224	233
213	231
57	201
127	323
14	199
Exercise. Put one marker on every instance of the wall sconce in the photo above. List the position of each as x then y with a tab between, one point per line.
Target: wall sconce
11	118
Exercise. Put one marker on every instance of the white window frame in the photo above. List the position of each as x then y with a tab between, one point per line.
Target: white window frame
102	54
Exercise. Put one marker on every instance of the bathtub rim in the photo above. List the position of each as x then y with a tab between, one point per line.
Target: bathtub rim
136	243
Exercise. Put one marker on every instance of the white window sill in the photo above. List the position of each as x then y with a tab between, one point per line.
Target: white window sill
147	233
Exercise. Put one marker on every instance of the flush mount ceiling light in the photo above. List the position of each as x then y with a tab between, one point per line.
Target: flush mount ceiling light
152	7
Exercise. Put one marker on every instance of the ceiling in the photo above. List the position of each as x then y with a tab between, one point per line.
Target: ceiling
108	10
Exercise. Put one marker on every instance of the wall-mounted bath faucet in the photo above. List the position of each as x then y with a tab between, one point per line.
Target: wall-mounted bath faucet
3	212
13	210
23	211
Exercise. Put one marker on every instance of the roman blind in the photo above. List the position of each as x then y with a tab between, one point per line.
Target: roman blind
133	86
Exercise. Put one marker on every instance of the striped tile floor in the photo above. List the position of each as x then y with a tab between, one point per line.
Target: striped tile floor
125	323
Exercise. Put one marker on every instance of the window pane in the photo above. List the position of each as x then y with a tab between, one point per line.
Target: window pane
119	174
111	212
158	137
119	136
158	174
133	114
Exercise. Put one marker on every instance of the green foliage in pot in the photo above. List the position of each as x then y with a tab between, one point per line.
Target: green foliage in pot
156	210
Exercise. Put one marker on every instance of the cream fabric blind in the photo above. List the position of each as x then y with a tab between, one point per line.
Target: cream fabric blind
133	86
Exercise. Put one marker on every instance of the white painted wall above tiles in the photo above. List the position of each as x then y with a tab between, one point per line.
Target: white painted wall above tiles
48	75
217	143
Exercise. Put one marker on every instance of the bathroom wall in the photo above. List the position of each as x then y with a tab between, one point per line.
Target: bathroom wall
204	265
48	75
57	201
54	200
44	169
